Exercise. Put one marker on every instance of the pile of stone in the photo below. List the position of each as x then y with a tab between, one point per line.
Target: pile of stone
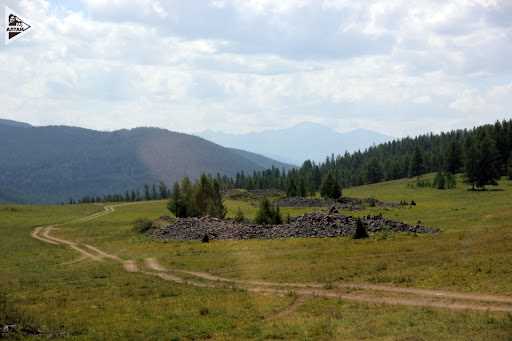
304	202
250	195
345	203
7	329
15	332
306	226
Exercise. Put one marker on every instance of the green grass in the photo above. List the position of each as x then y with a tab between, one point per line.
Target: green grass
249	209
90	300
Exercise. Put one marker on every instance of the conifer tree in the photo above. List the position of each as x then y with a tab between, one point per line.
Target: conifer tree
187	190
488	163
360	232
509	168
292	188
215	205
416	166
176	203
330	188
471	162
374	171
302	191
164	192
439	181
147	194
453	158
203	194
154	194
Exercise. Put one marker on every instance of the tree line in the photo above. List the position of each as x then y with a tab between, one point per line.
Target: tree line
149	192
483	154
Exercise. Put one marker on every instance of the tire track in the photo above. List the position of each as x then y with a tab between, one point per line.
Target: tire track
154	265
421	297
35	234
296	303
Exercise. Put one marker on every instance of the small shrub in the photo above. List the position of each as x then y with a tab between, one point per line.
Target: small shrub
10	209
268	214
420	183
14	324
288	218
361	232
444	181
204	311
142	225
277	219
239	217
451	182
439	181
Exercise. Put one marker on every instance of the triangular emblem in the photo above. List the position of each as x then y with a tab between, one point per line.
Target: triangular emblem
15	25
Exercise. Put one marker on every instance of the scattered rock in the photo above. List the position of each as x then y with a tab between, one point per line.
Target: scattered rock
8	328
309	225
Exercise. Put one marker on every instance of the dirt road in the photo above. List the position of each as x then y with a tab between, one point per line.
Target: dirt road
359	292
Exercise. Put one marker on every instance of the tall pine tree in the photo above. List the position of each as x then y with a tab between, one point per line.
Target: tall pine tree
416	166
488	163
453	162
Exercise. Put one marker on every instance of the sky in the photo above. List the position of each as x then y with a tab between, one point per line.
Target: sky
249	65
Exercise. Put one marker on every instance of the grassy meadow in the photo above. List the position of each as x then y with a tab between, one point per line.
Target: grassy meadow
49	288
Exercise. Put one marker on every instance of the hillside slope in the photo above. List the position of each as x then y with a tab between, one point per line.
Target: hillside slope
51	164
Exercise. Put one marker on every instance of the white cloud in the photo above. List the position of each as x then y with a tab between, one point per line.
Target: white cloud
490	104
248	65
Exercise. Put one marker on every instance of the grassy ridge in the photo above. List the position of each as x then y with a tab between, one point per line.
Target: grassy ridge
90	300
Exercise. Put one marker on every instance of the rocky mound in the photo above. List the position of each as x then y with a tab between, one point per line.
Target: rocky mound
353	204
306	226
304	202
251	195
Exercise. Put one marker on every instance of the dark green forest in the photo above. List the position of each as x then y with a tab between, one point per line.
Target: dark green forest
482	153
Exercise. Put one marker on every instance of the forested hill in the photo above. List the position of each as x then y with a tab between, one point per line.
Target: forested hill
52	164
483	153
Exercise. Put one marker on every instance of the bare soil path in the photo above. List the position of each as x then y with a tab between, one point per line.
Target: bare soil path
359	292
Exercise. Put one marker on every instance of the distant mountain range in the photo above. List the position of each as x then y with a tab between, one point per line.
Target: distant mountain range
51	164
298	143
